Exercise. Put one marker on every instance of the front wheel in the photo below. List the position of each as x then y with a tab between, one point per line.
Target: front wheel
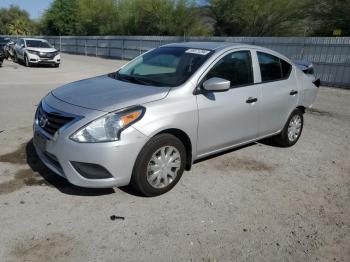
159	166
292	130
26	61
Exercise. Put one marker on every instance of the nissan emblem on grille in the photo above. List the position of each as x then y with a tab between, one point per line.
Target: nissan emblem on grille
43	121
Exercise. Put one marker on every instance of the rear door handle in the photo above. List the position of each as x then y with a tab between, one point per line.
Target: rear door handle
293	92
251	100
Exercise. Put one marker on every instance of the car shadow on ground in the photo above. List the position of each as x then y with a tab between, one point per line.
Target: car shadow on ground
55	180
65	187
22	64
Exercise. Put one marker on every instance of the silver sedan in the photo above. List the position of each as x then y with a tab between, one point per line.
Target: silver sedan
149	121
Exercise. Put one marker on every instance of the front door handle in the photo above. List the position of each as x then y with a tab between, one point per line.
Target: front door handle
251	100
293	92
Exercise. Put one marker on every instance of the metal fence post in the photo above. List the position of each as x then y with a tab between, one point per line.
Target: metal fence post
96	47
76	45
109	47
123	50
85	47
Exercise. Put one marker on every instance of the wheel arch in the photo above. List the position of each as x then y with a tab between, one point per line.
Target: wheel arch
302	108
185	139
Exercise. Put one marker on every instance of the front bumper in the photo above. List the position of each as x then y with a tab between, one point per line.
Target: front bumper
35	59
118	158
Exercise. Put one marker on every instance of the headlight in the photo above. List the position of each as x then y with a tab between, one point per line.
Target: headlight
108	127
33	52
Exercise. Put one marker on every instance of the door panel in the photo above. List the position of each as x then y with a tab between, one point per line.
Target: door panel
277	104
226	118
231	117
279	93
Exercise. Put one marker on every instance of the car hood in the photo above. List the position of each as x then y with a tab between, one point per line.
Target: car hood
39	49
105	93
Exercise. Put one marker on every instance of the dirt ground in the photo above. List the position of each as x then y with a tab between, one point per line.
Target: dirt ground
257	203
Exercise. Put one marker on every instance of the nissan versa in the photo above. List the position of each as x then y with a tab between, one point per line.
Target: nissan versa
146	123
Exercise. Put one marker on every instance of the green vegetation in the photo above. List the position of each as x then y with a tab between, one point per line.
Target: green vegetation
329	15
183	17
259	17
14	21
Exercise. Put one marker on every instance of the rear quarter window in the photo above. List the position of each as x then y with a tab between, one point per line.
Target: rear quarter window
273	68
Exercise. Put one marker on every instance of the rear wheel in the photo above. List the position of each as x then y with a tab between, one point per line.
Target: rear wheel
292	130
159	165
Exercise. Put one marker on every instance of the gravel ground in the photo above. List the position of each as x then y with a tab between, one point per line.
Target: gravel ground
257	203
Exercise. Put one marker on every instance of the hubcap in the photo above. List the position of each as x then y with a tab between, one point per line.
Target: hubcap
163	167
294	128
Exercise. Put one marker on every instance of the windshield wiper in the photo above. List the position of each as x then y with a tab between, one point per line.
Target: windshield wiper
137	80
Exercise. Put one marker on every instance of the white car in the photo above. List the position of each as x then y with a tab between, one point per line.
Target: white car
36	51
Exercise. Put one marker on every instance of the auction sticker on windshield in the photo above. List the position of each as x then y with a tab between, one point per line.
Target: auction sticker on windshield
198	51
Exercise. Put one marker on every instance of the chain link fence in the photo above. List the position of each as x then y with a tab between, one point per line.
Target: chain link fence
330	55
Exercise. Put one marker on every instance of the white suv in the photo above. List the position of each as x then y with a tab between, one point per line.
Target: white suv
36	51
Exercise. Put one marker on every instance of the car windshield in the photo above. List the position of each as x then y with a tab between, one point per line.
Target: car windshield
38	43
165	66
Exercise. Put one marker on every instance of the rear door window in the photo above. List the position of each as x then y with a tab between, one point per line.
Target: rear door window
273	68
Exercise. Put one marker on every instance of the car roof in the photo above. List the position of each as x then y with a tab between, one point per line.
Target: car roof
218	46
207	45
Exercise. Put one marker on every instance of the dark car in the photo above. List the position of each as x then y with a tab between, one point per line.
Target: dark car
3	42
9	50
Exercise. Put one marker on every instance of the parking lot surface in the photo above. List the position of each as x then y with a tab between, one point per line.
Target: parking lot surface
256	203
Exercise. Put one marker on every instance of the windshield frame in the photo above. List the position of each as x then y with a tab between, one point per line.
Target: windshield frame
142	80
37	40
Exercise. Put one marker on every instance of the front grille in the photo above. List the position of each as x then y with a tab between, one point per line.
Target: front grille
47	55
51	122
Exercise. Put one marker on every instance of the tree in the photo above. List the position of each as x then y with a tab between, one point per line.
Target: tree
17	27
15	21
60	18
328	15
159	17
96	17
259	17
123	17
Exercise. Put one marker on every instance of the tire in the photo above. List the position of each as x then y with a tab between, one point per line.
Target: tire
26	61
144	177
292	130
56	65
15	58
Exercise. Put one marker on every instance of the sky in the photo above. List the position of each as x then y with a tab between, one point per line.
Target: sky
33	7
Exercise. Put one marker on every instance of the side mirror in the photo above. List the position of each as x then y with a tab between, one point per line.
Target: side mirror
217	84
22	45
